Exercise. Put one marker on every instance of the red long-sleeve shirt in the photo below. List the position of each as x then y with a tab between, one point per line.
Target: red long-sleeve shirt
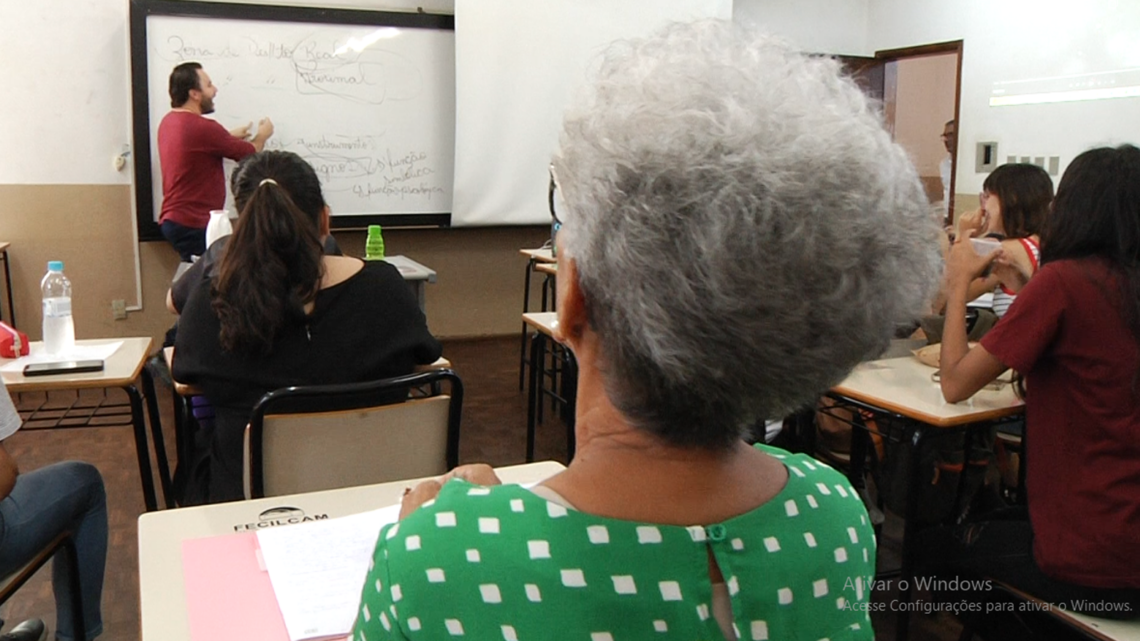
190	150
1065	332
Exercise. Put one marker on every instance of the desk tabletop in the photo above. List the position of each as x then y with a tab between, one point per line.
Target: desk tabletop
547	268
410	269
119	370
161	583
4	246
540	255
904	386
544	322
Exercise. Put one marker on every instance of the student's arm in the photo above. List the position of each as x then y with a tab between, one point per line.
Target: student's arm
8	472
982	285
964	371
200	271
977	287
1014	267
180	289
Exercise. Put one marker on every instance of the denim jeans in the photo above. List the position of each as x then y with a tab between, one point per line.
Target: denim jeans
187	241
66	495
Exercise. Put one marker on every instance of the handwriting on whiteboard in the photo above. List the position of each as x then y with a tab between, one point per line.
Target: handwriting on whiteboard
373	115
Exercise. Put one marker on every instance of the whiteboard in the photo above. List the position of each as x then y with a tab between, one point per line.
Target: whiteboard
370	107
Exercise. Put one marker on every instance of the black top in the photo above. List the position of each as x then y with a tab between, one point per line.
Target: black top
203	269
368	327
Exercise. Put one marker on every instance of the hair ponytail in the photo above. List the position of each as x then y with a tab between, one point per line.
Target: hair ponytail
272	265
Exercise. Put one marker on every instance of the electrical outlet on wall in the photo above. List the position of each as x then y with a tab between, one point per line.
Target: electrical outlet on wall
119	309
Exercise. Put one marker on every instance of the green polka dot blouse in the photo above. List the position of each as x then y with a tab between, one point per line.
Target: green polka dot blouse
503	563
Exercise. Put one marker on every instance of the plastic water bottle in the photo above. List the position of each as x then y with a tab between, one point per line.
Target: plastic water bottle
219	226
374	246
59	329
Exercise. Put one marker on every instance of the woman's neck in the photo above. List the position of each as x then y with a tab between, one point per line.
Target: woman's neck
621	471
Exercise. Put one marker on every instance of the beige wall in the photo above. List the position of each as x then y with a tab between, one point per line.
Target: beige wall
478	293
965	203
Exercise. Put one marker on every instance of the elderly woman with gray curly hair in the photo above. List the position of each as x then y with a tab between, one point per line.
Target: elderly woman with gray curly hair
739	232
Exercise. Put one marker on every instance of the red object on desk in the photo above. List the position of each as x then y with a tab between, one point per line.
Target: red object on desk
13	342
228	594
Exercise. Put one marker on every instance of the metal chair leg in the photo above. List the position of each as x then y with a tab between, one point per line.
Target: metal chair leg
533	395
526	308
141	448
164	476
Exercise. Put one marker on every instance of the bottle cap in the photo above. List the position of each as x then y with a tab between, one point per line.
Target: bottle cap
55	265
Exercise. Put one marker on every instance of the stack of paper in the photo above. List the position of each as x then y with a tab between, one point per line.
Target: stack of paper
317	570
300	582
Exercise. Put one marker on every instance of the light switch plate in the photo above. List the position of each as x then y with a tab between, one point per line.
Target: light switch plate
986	159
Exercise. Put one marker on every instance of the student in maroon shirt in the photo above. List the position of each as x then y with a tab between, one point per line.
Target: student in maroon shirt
190	150
1074	333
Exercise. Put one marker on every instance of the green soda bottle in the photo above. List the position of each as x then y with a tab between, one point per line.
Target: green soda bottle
374	246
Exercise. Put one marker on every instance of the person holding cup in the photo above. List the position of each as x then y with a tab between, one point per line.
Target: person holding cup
1015	201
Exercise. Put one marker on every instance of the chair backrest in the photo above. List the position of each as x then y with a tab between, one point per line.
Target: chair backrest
305	439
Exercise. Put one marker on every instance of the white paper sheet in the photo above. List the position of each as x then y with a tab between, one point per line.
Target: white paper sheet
100	352
317	570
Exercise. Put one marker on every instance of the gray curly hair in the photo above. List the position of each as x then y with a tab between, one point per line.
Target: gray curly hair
744	230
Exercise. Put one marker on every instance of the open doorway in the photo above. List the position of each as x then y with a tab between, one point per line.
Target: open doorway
920	88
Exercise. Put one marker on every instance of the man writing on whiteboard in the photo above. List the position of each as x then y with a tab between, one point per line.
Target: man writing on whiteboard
190	150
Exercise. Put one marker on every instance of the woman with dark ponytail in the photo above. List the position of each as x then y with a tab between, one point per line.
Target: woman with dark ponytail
278	312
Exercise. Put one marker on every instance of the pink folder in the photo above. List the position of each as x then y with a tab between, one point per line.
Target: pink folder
228	593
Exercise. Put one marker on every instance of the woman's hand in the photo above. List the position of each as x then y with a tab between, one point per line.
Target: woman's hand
478	473
971	223
1012	273
422	493
964	264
